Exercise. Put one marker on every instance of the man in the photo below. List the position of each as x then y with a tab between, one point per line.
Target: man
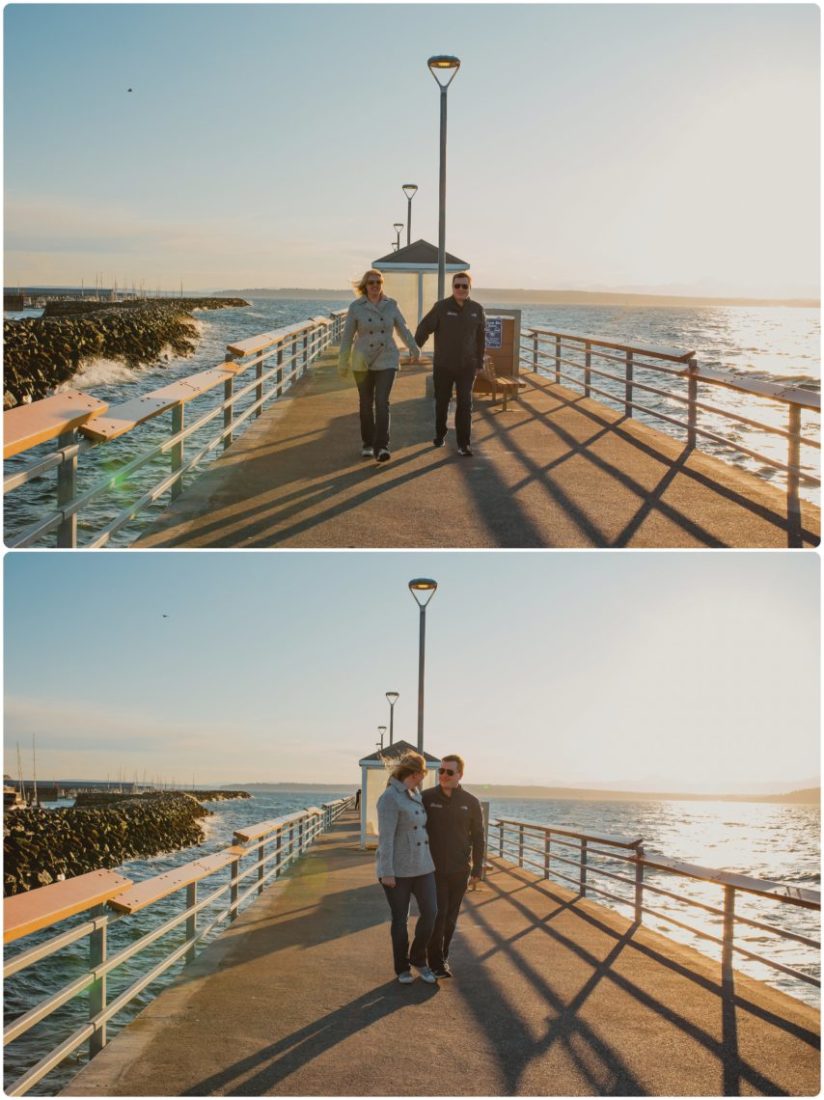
459	325
456	841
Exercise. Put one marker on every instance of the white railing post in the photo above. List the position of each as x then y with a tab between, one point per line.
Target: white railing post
793	478
177	449
547	852
534	352
584	856
66	489
278	852
520	845
234	871
97	989
639	885
628	386
228	412
729	934
558	359
261	865
191	920
587	368
692	398
279	374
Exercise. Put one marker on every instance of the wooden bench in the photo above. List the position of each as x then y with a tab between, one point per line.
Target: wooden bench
160	886
36	909
27	425
508	387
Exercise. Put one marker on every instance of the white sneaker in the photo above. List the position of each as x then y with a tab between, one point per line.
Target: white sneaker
367	452
406	977
383	455
425	974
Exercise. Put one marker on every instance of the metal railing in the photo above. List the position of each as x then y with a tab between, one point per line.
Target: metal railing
583	857
580	361
277	359
276	844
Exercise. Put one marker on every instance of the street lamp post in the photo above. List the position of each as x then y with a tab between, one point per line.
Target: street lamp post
446	65
409	190
422	589
392	698
397	226
381	731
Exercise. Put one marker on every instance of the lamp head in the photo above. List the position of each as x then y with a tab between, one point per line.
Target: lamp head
409	189
422	589
392	696
443	67
397	225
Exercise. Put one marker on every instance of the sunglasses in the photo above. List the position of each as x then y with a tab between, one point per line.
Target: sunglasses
460	286
374	282
446	771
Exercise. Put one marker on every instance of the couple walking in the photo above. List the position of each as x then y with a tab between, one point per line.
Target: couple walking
430	845
459	327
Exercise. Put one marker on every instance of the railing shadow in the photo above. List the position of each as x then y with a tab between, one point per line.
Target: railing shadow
736	1073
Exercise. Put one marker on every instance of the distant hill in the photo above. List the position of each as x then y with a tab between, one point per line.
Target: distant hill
505	295
808	796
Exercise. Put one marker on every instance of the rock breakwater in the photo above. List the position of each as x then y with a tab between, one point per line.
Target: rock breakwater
41	353
41	846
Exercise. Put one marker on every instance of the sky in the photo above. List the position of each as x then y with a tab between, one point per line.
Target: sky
677	671
654	148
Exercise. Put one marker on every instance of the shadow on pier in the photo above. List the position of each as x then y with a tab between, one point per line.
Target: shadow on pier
553	470
552	995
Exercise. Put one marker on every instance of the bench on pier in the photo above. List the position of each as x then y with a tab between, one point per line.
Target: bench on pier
273	825
490	381
160	886
36	909
27	425
123	418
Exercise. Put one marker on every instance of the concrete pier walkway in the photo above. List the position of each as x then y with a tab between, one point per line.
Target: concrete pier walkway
551	996
554	470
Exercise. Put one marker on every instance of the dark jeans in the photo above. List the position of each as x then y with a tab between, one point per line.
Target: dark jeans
374	387
450	891
443	380
398	896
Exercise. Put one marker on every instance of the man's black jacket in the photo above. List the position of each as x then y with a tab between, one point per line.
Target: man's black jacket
456	830
460	334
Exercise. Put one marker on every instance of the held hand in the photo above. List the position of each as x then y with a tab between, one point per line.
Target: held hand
473	881
388	880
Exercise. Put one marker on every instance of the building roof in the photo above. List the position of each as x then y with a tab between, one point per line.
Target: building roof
394	752
420	252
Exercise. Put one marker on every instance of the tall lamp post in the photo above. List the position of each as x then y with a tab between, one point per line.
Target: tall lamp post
397	226
443	69
422	589
409	190
392	698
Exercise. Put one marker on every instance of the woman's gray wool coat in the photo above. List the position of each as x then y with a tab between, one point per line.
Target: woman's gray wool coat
371	327
403	843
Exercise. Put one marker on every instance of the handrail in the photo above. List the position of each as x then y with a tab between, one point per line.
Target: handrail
639	357
512	835
286	838
82	425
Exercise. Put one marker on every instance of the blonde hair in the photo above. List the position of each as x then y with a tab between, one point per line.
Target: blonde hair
409	764
360	287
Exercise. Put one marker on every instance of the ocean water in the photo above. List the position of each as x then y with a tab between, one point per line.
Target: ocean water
773	344
777	842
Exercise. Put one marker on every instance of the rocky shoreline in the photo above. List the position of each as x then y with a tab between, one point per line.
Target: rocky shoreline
41	353
42	846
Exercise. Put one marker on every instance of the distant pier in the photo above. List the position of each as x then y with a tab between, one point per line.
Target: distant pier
553	995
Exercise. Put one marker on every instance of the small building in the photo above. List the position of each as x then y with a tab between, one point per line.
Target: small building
375	770
410	276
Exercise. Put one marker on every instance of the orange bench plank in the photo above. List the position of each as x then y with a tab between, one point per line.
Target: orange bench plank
266	339
36	909
27	425
153	889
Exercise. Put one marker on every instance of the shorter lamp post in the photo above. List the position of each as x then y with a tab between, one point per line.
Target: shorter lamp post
422	589
381	731
409	190
392	697
397	226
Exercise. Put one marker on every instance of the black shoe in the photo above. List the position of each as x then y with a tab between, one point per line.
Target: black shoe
442	971
438	441
465	451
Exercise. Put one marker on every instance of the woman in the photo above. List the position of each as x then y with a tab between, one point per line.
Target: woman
405	865
370	322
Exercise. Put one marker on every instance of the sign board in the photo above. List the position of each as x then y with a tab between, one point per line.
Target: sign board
494	332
